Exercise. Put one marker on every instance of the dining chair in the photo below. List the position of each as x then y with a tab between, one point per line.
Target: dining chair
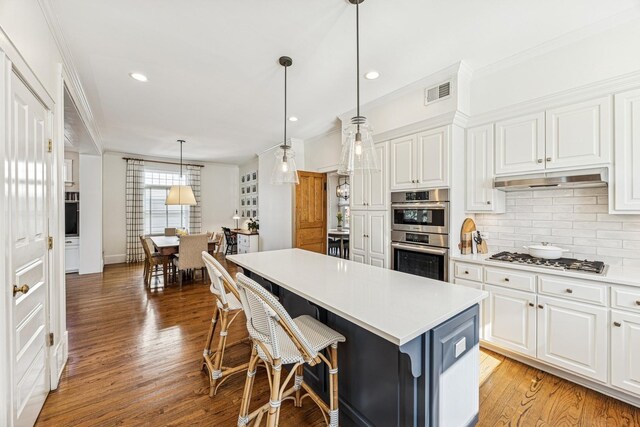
153	261
280	340
170	231
217	238
225	311
190	258
231	240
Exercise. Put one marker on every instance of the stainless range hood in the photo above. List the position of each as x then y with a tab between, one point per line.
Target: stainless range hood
552	180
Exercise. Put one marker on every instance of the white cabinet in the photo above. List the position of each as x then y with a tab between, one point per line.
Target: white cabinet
247	243
510	319
368	237
369	190
474	285
480	194
421	160
71	254
579	134
573	336
625	351
520	144
627	152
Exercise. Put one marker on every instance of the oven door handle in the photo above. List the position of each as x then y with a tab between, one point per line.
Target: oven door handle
418	248
427	205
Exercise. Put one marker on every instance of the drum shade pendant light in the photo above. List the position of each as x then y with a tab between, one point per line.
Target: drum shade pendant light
358	154
284	170
180	194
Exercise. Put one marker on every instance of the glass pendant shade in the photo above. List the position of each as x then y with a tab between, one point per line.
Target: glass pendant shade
358	154
180	195
284	168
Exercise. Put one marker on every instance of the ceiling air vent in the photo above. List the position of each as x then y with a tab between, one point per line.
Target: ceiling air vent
437	92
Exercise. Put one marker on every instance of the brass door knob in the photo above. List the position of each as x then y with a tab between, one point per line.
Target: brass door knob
23	289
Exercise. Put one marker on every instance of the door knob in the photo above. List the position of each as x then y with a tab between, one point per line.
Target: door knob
22	289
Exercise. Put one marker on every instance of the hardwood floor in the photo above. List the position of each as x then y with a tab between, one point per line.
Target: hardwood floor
135	358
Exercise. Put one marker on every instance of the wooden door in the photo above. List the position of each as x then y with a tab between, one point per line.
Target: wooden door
511	319
311	212
432	155
627	155
28	254
520	144
579	134
573	336
402	159
625	351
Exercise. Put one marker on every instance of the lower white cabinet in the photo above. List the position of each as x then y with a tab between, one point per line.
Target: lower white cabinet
368	238
573	336
625	351
510	319
247	243
71	255
473	285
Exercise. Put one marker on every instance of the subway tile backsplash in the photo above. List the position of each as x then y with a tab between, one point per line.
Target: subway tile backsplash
577	220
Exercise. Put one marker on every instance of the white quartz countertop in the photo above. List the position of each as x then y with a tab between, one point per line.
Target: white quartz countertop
393	305
614	274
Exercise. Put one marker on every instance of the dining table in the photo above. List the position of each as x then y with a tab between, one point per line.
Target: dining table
170	245
341	235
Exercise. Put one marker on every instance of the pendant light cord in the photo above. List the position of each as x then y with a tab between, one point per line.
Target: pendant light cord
181	141
285	109
358	59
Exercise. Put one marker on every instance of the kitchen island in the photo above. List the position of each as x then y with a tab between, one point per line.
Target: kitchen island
411	356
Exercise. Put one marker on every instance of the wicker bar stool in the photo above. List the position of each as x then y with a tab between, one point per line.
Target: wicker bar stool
226	309
280	340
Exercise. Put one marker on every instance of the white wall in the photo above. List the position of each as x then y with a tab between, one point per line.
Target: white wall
322	153
219	200
276	201
91	231
604	55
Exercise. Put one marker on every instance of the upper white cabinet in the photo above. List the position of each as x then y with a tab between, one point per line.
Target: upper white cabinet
421	160
573	336
520	144
579	134
627	152
369	190
567	137
479	150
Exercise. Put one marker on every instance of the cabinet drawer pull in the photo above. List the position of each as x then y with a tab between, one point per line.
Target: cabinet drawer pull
466	272
569	291
531	304
506	279
540	306
548	159
638	302
617	324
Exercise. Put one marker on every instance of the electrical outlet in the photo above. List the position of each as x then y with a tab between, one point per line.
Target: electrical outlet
484	234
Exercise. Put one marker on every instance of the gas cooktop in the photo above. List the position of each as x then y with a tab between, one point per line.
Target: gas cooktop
596	267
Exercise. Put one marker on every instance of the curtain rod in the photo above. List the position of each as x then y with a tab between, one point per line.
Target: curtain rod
160	161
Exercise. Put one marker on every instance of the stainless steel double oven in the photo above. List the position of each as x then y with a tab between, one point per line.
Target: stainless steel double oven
420	233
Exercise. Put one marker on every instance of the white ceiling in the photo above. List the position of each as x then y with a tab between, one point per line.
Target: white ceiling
212	66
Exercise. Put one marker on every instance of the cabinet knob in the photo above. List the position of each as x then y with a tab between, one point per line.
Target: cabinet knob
539	160
638	302
488	202
540	306
617	324
413	181
466	272
506	279
569	291
548	159
531	304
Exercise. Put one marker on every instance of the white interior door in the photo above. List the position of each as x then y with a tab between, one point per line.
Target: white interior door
28	201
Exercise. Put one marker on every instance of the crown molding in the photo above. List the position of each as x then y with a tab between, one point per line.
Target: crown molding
592	90
454	117
71	77
561	41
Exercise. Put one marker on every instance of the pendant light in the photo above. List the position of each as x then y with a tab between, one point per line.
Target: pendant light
284	170
180	194
358	154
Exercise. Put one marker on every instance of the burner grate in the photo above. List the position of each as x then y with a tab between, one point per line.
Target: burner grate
596	267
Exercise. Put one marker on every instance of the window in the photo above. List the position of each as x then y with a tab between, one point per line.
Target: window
157	215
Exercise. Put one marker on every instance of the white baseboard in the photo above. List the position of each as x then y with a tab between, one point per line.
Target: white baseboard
114	259
599	387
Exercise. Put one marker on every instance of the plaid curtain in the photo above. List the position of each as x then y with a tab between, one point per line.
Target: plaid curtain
195	212
135	210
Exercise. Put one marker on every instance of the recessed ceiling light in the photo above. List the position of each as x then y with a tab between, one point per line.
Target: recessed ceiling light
138	76
293	119
372	75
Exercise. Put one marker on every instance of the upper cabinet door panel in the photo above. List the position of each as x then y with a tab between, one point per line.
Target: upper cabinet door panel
358	190
480	195
433	158
627	151
579	134
402	163
520	145
377	188
358	224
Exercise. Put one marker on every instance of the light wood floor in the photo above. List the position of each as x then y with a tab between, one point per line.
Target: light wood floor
135	355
